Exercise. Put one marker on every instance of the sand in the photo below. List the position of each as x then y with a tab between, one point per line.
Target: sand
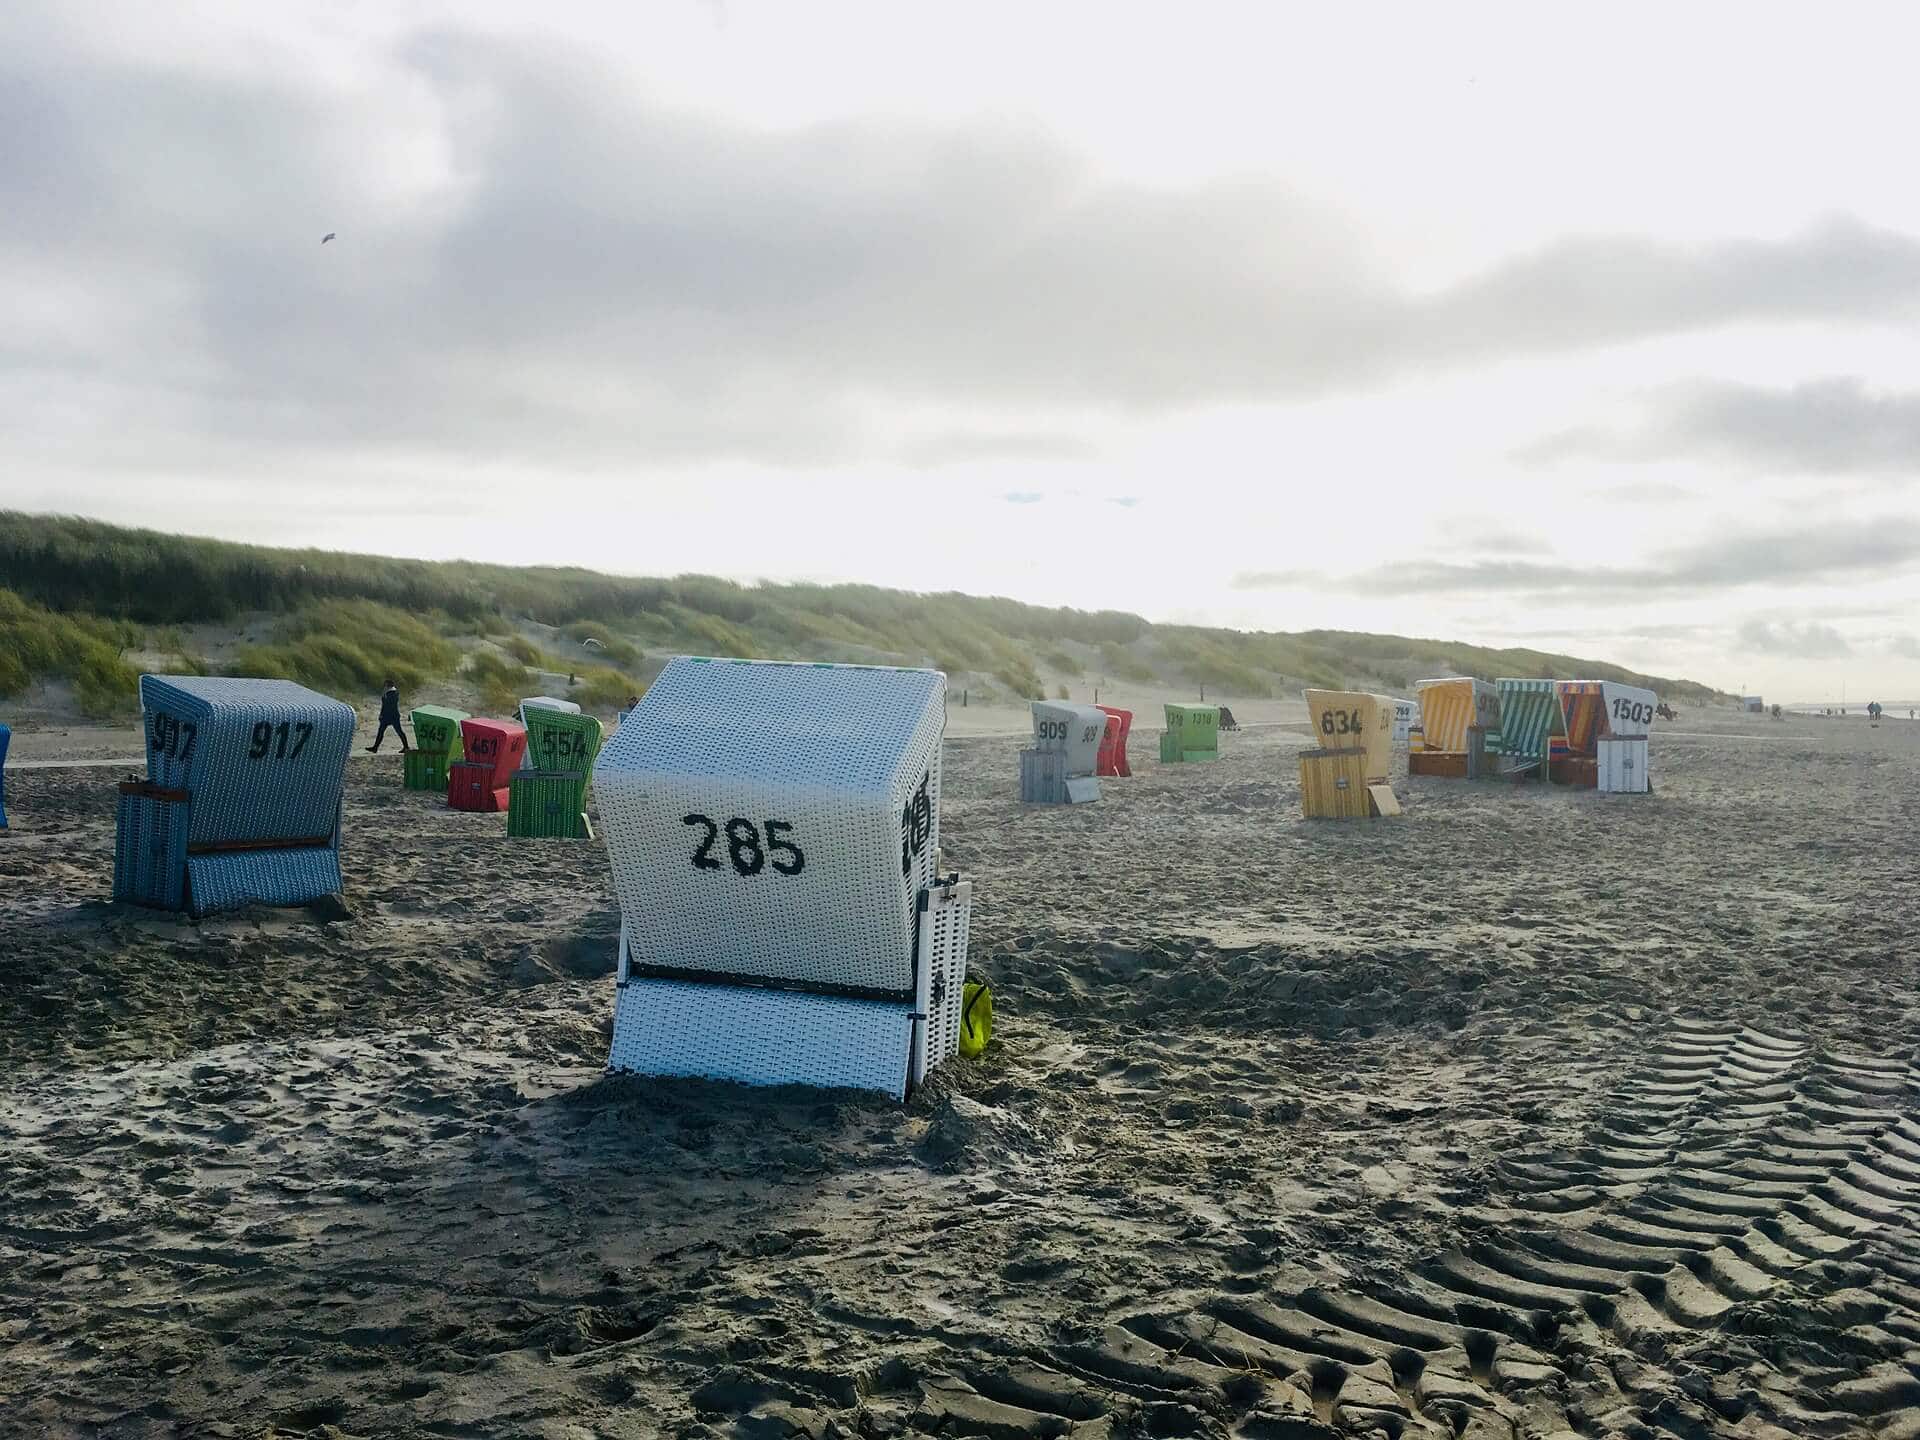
1530	1113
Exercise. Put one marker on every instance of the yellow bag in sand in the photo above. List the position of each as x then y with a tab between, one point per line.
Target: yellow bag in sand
976	1018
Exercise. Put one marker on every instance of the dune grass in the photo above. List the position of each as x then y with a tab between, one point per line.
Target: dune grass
350	648
82	568
36	644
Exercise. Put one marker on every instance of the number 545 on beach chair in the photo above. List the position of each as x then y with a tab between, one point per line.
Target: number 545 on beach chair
774	831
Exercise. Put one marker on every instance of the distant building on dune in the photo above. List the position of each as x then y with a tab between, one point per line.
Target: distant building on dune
1753	704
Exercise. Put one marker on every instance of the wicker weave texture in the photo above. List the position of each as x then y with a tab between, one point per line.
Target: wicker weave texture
777	820
499	744
545	702
1073	730
262	759
470	787
544	804
424	770
760	1037
150	852
6	736
561	739
261	877
436	730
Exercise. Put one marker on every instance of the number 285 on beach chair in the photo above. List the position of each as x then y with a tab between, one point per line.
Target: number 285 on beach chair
774	831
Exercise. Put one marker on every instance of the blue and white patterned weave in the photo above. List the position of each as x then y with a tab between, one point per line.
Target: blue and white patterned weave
150	852
262	762
761	1037
261	877
289	790
6	736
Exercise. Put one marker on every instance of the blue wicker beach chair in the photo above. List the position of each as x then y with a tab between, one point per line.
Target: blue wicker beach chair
242	800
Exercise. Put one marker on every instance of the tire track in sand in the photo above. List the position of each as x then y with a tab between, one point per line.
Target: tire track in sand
1743	1187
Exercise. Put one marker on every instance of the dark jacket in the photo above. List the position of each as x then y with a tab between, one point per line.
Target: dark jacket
390	705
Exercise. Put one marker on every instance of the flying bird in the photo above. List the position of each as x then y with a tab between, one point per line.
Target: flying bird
326	237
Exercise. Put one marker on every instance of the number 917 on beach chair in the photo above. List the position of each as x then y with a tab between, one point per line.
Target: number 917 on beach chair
774	831
241	804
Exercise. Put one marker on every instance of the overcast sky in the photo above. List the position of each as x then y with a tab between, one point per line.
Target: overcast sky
1470	322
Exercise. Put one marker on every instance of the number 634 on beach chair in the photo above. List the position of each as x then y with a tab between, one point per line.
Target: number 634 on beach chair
774	831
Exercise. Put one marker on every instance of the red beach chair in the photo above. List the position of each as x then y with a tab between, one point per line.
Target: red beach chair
495	749
1113	744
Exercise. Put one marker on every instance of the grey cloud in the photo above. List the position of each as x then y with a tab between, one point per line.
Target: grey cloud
593	280
1804	640
1125	502
1023	497
1275	579
1832	426
1778	558
967	447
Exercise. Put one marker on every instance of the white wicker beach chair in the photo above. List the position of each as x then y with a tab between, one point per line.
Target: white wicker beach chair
774	831
1071	732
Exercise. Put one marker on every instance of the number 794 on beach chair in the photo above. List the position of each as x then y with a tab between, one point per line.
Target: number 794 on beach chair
774	831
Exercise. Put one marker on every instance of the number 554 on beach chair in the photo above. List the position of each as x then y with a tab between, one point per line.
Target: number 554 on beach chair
774	831
242	799
550	797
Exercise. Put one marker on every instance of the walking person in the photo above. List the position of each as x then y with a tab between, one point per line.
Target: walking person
390	715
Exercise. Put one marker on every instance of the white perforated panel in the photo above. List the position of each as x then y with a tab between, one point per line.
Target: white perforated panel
776	820
761	1037
945	916
1070	730
1627	709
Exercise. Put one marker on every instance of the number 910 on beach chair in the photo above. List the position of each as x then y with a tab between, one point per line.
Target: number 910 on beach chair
1456	714
774	832
1061	766
242	799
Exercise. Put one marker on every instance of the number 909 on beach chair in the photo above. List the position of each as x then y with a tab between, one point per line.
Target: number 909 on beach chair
1061	766
242	799
774	832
